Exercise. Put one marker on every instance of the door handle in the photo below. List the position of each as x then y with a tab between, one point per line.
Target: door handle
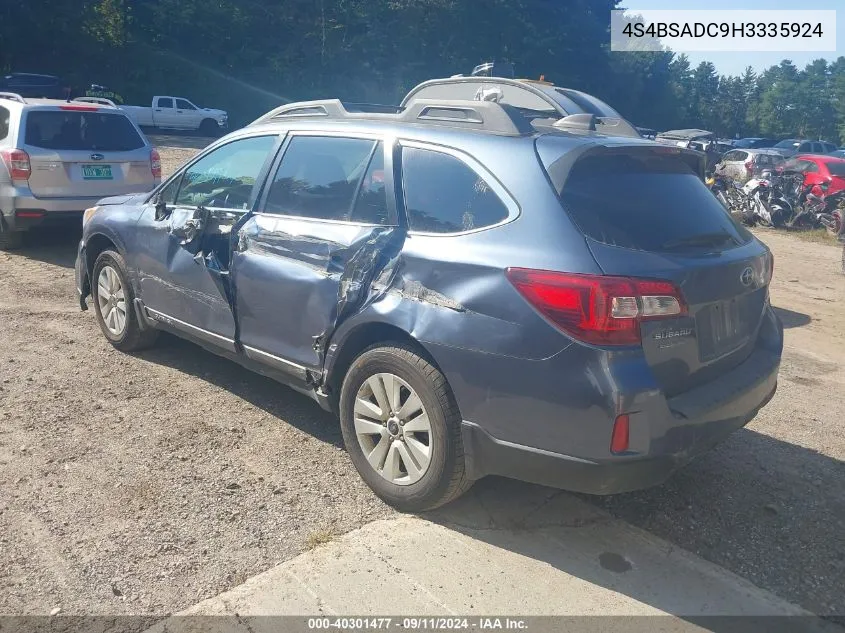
158	109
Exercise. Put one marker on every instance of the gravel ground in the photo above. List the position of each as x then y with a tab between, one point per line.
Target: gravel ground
143	484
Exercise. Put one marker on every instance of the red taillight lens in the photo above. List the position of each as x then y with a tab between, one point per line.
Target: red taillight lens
749	167
17	162
597	309
619	440
155	164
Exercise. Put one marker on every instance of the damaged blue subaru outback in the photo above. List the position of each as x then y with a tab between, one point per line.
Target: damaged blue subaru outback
509	285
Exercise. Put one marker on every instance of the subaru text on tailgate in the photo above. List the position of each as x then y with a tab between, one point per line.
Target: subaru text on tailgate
473	290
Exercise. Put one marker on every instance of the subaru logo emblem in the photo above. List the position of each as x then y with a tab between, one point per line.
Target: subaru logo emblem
97	157
747	276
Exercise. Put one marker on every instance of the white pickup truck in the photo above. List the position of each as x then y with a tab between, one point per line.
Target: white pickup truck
177	113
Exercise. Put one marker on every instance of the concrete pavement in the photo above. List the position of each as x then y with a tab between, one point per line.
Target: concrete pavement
546	553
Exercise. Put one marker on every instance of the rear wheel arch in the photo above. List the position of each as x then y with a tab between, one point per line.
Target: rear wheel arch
360	338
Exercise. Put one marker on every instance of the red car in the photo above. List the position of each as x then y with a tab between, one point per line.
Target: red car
818	170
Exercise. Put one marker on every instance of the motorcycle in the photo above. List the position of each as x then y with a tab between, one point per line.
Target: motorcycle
820	210
767	204
729	194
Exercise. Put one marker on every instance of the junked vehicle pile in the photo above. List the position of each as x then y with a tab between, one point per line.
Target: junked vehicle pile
460	282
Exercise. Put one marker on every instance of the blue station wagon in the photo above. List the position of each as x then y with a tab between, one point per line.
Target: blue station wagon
473	288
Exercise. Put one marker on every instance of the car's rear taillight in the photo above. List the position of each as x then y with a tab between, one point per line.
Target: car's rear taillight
749	166
598	309
155	164
17	162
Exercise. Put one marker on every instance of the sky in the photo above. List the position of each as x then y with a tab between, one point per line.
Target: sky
734	63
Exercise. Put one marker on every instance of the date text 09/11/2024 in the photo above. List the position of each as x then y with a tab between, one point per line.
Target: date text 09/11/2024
418	624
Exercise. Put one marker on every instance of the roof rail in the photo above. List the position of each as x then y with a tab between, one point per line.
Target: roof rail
478	115
12	96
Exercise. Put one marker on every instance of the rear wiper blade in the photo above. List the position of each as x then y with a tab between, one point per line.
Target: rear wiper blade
702	239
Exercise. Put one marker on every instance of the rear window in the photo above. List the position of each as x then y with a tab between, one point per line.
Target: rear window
647	202
88	131
836	168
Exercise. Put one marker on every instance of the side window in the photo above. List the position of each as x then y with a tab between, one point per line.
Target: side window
371	205
181	104
763	160
167	194
319	177
225	178
811	167
741	156
165	102
5	117
731	157
444	195
806	146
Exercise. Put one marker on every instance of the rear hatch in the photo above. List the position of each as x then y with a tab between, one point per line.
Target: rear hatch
81	152
645	213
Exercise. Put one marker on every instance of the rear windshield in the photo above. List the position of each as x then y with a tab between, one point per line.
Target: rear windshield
88	131
836	168
647	202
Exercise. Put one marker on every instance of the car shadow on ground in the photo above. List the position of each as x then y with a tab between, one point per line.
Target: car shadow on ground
792	319
52	245
263	393
769	511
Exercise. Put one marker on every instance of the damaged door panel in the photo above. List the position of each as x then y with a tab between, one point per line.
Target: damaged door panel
325	232
184	238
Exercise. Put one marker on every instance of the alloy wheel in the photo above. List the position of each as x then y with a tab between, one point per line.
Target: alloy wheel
393	429
111	300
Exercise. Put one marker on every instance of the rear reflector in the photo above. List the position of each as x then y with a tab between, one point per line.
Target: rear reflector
598	309
155	164
30	214
620	438
17	162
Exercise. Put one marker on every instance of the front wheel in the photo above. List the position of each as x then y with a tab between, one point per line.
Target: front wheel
402	429
209	127
113	304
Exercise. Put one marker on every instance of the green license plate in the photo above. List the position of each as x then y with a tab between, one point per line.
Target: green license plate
96	172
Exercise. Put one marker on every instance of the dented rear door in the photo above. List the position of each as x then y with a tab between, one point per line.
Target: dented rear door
324	230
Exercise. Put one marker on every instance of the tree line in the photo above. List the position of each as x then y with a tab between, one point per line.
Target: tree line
249	55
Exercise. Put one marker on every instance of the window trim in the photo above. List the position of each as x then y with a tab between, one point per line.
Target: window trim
387	149
512	206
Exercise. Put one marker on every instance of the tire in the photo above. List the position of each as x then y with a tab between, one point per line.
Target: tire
209	127
444	478
11	240
130	337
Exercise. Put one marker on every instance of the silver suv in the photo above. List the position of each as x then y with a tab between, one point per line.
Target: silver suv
57	158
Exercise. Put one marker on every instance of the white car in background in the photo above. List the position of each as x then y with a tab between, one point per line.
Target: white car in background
178	113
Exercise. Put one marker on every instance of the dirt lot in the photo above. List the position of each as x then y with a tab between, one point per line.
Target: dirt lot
142	484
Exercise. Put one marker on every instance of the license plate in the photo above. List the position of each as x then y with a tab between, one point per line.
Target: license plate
96	172
722	329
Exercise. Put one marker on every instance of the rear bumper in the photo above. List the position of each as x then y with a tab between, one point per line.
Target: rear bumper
687	439
22	213
570	448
